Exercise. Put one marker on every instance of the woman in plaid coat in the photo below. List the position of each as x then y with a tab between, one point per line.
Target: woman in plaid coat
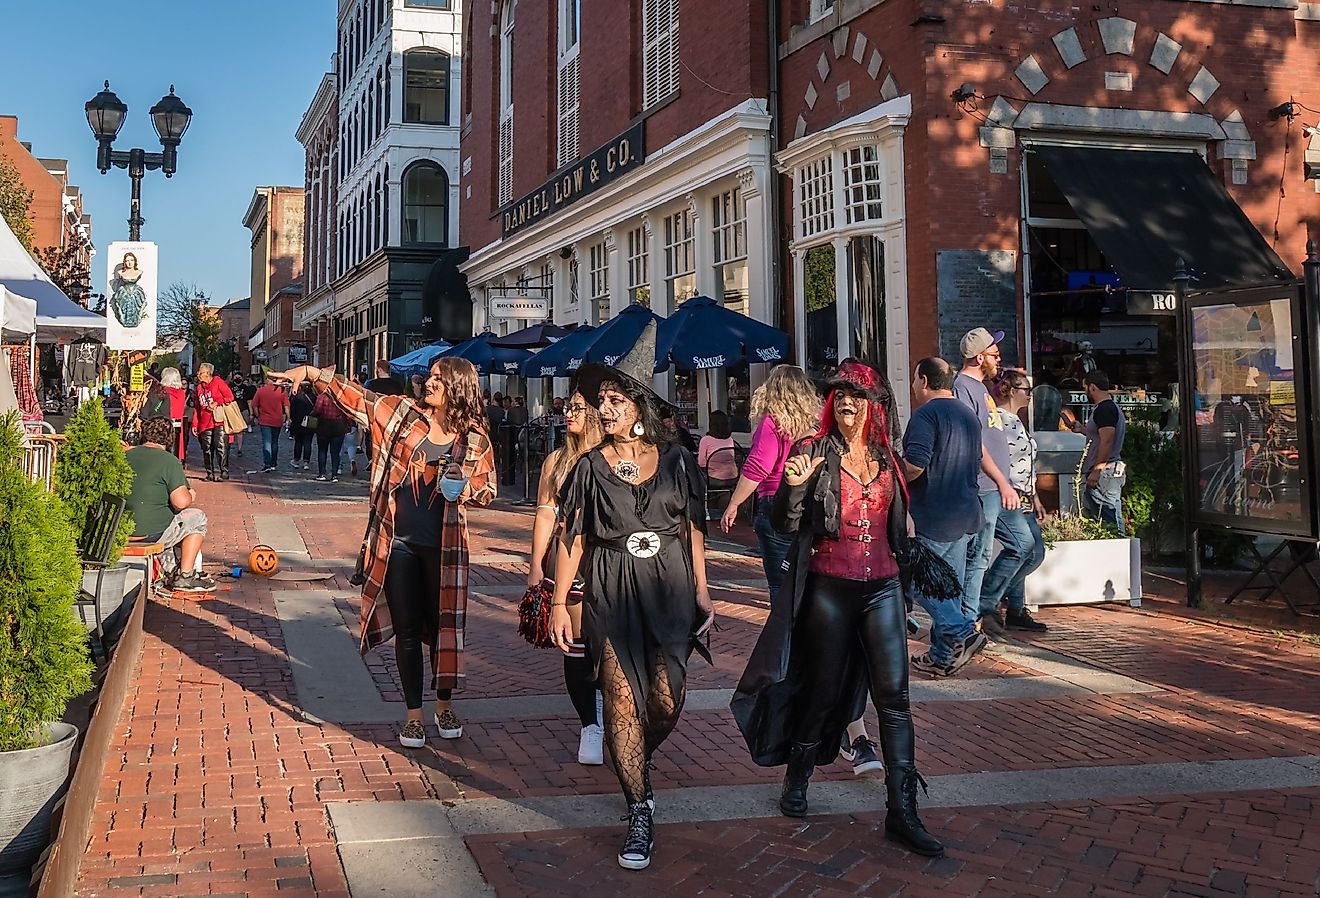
430	459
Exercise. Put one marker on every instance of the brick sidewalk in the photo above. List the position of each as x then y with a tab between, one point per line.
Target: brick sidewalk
218	786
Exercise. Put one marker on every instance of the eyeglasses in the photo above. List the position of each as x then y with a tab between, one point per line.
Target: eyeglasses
575	410
1026	390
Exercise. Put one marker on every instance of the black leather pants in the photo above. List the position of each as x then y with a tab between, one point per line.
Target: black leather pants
835	611
215	450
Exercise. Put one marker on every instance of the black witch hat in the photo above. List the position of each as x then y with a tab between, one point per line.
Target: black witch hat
634	370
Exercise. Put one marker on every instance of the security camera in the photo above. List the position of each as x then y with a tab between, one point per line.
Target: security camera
566	253
964	93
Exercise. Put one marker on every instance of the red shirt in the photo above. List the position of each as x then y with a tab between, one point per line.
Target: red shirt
270	406
862	551
210	395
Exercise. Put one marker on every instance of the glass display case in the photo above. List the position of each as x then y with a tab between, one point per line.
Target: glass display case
1252	404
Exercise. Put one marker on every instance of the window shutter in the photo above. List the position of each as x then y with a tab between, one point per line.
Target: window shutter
659	50
506	158
568	111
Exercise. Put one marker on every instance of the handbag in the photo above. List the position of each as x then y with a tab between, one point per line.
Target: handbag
310	422
534	615
231	418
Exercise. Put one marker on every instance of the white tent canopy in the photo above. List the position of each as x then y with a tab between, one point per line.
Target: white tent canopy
17	316
57	316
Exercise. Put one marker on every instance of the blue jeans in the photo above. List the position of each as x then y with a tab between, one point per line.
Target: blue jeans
949	625
978	554
270	445
774	546
1023	551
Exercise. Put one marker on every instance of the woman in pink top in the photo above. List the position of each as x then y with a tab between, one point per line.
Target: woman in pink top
789	409
715	452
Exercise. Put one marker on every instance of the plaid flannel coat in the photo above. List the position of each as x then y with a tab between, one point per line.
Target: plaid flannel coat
397	427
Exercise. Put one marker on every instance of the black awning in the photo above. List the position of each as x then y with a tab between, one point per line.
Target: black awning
1147	209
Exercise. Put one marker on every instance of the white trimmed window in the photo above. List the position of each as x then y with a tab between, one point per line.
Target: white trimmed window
821	8
680	257
862	185
659	50
506	106
729	226
598	272
639	267
815	186
570	29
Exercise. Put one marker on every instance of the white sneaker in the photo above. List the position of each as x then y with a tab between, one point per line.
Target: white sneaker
591	746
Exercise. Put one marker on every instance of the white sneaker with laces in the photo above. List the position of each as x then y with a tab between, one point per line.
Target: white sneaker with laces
591	745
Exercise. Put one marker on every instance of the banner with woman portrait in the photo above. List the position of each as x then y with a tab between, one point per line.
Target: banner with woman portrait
130	296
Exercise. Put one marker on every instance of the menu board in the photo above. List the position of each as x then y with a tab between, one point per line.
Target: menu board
1252	458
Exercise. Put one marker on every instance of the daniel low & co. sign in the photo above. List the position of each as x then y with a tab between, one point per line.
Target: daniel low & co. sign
592	172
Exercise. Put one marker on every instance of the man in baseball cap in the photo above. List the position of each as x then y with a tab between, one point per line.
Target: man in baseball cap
980	363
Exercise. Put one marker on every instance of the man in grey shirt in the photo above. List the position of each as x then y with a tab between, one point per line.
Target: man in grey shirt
981	361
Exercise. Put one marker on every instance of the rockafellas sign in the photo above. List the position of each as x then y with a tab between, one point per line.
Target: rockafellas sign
130	295
592	172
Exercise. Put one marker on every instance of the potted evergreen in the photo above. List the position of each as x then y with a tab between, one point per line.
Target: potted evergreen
1085	561
43	654
90	463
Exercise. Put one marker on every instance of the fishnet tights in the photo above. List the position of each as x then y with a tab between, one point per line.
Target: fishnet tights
633	740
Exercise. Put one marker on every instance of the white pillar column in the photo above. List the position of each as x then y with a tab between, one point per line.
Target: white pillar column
798	261
842	297
662	383
618	267
760	284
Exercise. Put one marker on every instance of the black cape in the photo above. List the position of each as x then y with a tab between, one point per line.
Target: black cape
774	687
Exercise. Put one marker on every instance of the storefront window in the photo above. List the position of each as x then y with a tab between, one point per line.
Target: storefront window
822	315
639	268
1247	410
680	261
866	265
599	273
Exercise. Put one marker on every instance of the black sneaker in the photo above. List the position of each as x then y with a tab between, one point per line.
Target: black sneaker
861	751
1022	620
925	664
992	624
193	583
964	653
636	851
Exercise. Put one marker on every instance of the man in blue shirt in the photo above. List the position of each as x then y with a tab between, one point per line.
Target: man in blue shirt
942	456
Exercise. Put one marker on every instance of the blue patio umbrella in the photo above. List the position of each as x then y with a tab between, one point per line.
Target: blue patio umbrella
419	360
488	359
554	359
702	334
615	337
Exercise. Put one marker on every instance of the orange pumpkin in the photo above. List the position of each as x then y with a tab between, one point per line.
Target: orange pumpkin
263	560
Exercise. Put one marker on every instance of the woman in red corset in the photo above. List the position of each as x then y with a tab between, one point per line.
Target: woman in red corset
844	628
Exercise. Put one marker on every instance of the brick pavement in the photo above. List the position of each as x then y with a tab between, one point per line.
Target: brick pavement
218	785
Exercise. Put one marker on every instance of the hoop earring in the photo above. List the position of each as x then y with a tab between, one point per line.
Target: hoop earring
638	429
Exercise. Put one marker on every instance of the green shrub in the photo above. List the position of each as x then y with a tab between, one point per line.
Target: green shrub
91	462
1071	527
43	646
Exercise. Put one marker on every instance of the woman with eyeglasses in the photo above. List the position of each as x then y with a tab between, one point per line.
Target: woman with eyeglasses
583	434
1006	578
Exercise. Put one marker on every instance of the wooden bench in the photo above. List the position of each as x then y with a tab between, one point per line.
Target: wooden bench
147	553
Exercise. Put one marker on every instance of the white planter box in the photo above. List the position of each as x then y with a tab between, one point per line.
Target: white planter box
1084	571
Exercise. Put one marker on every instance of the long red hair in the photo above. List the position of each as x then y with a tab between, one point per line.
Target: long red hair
879	438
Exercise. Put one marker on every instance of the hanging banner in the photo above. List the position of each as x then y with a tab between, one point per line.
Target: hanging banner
130	295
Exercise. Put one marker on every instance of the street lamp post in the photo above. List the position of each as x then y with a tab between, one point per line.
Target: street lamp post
106	114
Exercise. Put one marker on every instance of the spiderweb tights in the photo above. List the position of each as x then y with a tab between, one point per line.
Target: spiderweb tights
631	739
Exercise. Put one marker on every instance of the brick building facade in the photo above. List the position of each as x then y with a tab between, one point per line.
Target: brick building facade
934	167
978	120
617	153
235	317
318	133
56	211
275	218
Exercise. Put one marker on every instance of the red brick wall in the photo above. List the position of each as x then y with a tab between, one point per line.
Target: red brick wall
47	209
1261	57
727	51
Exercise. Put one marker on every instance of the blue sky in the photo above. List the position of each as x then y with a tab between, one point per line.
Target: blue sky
247	69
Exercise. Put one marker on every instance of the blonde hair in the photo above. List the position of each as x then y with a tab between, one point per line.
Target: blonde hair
789	398
576	445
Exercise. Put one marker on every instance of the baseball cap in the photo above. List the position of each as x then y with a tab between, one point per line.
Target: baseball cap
977	341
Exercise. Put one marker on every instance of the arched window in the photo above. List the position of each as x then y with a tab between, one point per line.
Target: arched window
425	204
385	207
426	86
382	112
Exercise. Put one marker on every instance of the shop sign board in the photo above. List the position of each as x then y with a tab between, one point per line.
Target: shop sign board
137	378
594	171
1147	302
526	308
297	355
130	295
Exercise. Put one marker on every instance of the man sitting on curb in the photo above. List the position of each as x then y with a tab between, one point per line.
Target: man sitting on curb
161	503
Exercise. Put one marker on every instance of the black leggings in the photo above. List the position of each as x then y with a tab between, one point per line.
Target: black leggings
412	585
833	612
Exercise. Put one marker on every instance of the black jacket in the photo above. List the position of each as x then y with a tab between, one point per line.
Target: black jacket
774	686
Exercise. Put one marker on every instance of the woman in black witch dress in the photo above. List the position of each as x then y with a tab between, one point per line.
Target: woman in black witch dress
634	508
